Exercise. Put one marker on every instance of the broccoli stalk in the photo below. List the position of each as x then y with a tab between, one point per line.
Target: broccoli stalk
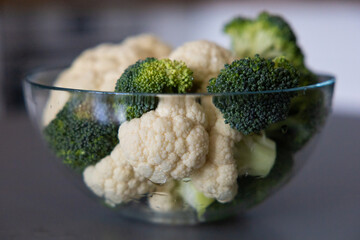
194	198
83	132
254	190
255	155
251	113
152	76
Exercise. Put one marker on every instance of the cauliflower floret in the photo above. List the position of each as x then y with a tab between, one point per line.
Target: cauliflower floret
150	43
172	106
204	58
169	142
217	178
114	179
165	198
99	68
109	61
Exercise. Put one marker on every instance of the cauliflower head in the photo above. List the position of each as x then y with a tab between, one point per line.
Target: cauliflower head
115	180
204	58
170	142
217	178
99	68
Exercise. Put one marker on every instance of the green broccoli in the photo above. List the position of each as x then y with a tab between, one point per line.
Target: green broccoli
152	76
251	112
83	132
269	36
307	113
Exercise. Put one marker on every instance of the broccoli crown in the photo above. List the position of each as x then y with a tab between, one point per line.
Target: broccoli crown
279	23
152	76
155	76
250	113
82	133
307	114
268	35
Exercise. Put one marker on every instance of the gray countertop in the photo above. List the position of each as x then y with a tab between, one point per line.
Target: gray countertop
37	201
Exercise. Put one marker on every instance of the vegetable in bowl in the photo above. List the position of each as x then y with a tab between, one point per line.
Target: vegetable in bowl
187	135
83	132
253	113
152	76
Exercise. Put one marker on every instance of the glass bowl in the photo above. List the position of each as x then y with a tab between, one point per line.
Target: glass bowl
180	163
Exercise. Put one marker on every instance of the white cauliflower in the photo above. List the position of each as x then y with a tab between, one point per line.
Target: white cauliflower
204	58
165	198
217	178
172	106
99	68
108	61
114	179
169	142
231	154
149	43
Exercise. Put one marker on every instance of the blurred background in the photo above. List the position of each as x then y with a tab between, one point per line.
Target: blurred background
37	201
49	33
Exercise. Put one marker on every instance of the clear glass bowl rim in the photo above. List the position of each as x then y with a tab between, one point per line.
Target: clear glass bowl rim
326	80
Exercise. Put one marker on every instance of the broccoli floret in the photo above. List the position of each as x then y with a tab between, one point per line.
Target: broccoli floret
269	36
307	113
83	132
250	113
152	76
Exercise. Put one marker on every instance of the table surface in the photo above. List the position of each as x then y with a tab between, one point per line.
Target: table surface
37	201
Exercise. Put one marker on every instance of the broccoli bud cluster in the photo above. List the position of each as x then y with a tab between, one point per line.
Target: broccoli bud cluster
82	134
152	76
249	112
